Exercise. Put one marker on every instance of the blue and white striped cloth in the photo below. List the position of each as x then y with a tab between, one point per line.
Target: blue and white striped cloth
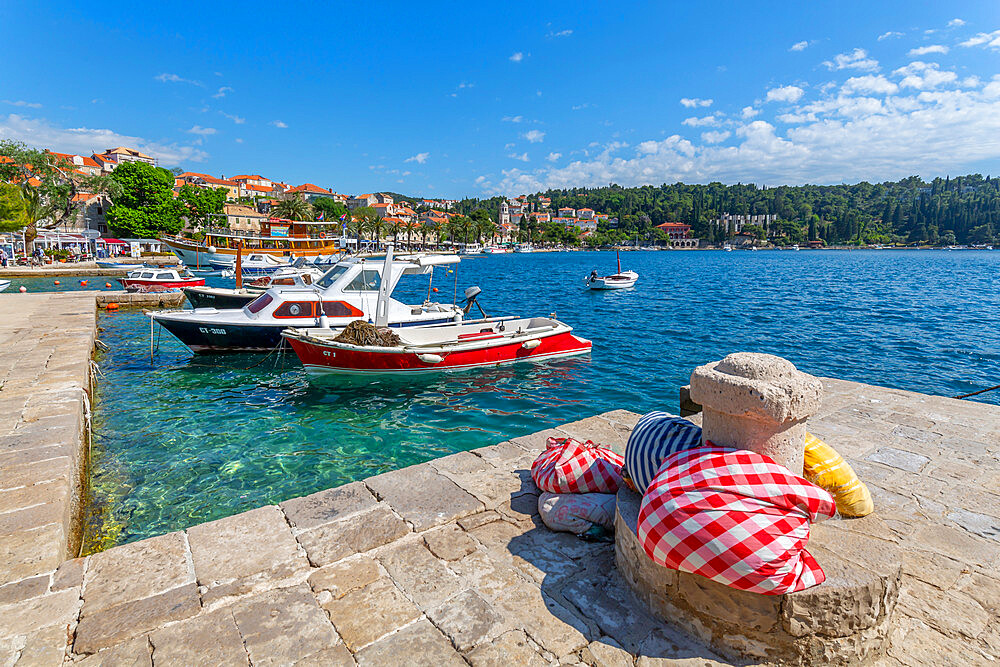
655	437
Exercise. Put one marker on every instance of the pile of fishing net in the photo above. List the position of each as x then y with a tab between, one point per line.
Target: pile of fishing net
364	333
150	289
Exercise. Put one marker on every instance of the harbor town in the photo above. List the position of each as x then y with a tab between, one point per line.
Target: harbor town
318	351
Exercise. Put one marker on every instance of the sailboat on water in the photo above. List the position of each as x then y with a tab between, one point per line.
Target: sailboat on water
619	280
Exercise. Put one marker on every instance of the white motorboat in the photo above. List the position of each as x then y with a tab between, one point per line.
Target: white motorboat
495	250
4	284
524	247
300	274
351	290
619	280
255	264
471	249
110	264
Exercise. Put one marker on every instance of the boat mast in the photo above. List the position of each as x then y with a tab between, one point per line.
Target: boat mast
239	265
619	258
382	305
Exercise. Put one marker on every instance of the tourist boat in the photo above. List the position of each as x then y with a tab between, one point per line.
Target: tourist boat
223	297
278	237
347	292
524	247
108	264
445	347
4	284
254	264
495	250
471	249
619	280
145	278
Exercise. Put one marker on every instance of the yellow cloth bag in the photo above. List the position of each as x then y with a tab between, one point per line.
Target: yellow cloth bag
828	470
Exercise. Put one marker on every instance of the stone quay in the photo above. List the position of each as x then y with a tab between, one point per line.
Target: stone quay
447	562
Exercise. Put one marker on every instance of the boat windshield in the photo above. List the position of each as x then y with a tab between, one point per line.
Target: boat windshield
331	276
368	280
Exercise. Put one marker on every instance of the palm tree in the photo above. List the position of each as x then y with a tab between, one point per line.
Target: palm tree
394	228
294	209
484	228
375	226
428	226
410	227
461	225
357	226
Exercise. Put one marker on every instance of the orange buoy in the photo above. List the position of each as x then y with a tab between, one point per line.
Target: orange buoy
23	289
111	306
57	282
108	285
83	283
435	289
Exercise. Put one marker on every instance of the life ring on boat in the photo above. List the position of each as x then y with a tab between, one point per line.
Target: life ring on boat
322	235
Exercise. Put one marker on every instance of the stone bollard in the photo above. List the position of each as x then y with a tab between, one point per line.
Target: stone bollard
758	402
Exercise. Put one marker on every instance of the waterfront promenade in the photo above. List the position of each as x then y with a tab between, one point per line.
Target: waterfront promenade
447	562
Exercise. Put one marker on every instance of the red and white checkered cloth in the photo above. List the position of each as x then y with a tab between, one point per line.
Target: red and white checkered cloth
734	516
571	466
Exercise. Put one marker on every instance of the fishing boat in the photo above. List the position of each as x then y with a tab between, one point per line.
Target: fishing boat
228	297
619	280
445	347
278	237
254	264
349	291
4	284
495	250
169	278
471	249
524	247
108	264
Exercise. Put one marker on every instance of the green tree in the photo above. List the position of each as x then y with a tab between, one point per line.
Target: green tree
46	189
393	228
484	229
13	216
463	226
146	206
430	226
375	226
202	203
293	208
331	209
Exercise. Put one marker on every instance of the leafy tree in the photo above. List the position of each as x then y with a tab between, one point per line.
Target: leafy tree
375	226
331	209
202	203
430	226
45	187
293	208
146	206
461	225
13	216
484	229
393	228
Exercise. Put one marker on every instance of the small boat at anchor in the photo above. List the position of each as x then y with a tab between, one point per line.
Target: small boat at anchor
161	278
620	280
108	264
446	347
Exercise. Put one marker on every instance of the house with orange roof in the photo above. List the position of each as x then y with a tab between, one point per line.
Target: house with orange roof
120	155
357	201
244	218
383	198
208	181
255	179
384	210
86	166
585	213
544	202
309	192
251	190
567	212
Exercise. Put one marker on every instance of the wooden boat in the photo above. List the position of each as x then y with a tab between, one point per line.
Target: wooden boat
456	346
283	239
145	278
620	280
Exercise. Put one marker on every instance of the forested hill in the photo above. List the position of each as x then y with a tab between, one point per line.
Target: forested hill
909	210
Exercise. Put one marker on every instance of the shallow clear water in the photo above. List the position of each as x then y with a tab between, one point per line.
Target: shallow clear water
184	439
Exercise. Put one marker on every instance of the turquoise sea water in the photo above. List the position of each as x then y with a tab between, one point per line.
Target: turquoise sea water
182	439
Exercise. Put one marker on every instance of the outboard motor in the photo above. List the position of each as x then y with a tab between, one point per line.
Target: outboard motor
471	293
593	276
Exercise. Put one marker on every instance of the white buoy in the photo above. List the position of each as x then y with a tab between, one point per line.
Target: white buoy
23	289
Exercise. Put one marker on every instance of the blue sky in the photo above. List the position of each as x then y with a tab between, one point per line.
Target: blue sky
473	99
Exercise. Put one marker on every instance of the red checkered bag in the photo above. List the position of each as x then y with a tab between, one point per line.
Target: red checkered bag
571	466
734	516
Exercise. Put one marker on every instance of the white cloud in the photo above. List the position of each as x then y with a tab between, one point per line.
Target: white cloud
517	57
239	120
715	136
692	102
84	140
523	157
534	136
466	85
923	76
203	131
239	141
866	131
419	158
749	112
22	103
856	59
278	123
869	84
513	119
990	40
892	34
799	46
956	23
577	107
694	121
174	78
931	48
222	91
561	33
552	157
785	94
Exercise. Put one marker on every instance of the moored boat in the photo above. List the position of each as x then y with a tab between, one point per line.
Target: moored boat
620	280
254	264
108	264
227	297
168	278
495	250
278	237
446	347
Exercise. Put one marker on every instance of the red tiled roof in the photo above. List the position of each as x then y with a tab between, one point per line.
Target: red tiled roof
309	187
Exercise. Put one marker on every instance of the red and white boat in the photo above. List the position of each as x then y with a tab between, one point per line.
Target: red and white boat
167	278
455	346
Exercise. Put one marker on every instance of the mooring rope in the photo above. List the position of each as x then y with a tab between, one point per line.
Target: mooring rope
976	393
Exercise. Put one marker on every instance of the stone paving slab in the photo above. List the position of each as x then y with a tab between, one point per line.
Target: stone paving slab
447	562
